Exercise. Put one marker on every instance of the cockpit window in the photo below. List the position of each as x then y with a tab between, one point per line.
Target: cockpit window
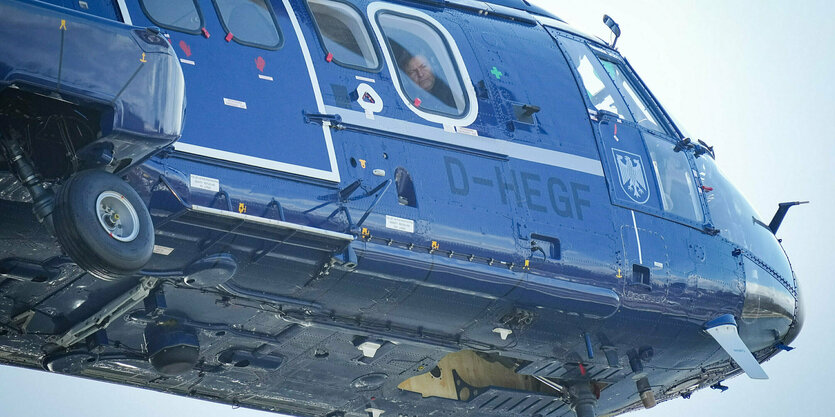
249	22
344	34
426	70
737	221
729	210
179	15
675	179
640	111
598	86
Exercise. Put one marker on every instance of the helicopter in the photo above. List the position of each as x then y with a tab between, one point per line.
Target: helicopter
489	239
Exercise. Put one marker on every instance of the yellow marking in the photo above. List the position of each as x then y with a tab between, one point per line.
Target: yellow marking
619	275
143	58
63	25
476	372
241	208
362	163
365	233
527	264
435	245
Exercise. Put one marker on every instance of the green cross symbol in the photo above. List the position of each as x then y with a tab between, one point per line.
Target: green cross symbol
495	71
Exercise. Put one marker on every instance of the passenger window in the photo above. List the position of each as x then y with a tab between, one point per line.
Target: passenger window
640	110
344	34
428	74
675	179
250	22
598	86
179	15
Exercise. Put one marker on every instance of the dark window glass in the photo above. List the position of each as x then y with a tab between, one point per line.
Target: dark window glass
344	33
405	187
251	22
737	221
427	72
180	15
675	179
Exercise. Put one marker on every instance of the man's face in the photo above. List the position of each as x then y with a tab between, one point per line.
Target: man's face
420	72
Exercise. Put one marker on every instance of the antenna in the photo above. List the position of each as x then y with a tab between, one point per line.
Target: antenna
782	209
613	26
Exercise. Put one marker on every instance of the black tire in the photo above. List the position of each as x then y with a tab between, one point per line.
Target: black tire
85	239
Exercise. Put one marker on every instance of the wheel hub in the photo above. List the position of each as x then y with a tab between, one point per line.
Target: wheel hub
117	216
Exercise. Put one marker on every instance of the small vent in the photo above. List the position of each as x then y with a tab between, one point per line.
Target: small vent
546	246
524	113
640	275
405	187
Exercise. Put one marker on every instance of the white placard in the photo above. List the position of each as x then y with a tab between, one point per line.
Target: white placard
204	183
234	103
397	223
163	250
466	131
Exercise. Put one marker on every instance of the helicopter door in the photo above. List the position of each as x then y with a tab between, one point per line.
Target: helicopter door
625	161
253	94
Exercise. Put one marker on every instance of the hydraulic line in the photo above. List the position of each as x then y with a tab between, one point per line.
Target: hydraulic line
23	168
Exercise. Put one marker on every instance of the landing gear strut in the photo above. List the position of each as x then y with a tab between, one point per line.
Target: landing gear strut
20	164
99	220
583	399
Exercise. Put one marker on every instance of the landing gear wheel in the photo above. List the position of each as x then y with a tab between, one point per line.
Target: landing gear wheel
103	225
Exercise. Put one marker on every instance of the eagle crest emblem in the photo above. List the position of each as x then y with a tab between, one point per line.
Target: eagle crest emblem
633	180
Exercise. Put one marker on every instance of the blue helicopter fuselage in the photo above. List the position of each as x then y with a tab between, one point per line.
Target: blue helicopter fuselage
326	208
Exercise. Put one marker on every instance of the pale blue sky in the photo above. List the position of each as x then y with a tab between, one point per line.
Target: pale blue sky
752	78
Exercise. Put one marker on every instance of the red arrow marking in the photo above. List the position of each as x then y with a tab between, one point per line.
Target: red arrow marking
260	63
186	49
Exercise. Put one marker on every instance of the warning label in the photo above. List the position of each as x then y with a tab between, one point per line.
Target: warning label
397	223
204	183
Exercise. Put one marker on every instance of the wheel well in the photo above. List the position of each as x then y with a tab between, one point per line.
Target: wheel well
52	130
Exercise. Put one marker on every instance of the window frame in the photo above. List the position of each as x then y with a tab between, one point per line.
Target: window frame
177	29
638	91
578	76
665	120
369	32
689	157
237	40
470	112
666	136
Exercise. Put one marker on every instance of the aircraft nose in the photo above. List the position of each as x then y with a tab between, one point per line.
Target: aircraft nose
772	312
799	317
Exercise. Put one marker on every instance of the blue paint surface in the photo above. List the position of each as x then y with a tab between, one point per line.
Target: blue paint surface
552	253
